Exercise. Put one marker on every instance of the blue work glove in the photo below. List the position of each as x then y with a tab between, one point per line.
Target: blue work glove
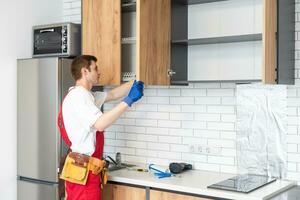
139	84
135	93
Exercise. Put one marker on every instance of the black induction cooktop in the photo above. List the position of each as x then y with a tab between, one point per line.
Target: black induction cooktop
244	183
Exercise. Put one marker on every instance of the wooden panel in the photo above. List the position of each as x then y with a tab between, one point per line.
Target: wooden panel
160	195
153	41
107	192
122	192
269	41
101	36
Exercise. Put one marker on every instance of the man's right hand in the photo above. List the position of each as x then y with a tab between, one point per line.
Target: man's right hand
135	93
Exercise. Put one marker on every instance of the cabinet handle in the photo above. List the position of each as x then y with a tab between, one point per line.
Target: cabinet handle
171	72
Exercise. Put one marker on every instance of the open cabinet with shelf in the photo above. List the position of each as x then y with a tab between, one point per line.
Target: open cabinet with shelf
232	40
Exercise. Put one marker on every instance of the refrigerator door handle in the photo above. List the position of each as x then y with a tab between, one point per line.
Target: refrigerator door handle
31	180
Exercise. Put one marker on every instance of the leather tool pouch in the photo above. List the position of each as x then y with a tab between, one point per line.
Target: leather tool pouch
76	168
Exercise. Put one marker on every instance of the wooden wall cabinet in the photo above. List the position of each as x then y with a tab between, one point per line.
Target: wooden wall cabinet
104	34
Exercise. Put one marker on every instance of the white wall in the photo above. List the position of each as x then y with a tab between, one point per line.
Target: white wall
16	19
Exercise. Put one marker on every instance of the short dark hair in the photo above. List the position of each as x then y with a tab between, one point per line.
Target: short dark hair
83	61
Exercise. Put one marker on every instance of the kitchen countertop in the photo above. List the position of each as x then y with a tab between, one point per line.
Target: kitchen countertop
291	194
196	182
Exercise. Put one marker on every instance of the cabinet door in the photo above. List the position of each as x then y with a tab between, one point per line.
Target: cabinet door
160	195
153	41
101	37
122	192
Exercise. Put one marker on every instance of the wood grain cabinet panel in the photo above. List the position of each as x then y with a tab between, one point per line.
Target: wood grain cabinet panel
122	192
101	37
160	195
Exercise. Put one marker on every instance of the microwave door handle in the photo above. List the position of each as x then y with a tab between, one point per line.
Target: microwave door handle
47	30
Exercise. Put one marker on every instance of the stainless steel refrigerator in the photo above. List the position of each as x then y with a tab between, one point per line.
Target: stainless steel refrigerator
41	85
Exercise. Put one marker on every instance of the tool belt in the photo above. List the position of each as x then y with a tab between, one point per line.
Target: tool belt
77	167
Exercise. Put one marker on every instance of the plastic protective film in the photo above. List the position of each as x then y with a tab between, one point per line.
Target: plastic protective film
261	129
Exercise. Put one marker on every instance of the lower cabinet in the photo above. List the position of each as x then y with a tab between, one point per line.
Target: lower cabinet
123	192
161	195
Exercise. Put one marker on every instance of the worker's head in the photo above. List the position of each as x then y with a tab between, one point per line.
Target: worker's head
84	67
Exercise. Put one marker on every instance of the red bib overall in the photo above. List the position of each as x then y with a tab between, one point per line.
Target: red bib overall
90	191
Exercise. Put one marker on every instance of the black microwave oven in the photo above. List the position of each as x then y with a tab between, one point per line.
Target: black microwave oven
63	40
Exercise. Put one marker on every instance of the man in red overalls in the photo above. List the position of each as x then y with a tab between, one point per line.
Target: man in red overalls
82	123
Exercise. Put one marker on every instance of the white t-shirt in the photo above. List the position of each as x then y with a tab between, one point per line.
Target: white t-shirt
80	110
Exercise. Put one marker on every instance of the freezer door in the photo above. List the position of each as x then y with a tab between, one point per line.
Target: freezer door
38	101
36	191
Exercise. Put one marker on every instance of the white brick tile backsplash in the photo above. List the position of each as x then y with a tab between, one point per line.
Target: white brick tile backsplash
193	108
292	167
169	108
220	92
181	116
158	100
182	100
158	146
228	118
193	92
157	131
111	135
207	85
230	101
220	126
161	126
135	129
194	124
220	160
146	153
207	166
125	136
294	157
159	161
148	138
124	150
169	124
170	139
119	143
179	148
292	148
146	122
135	159
228	135
220	109
145	107
169	155
135	144
207	117
181	132
206	133
208	100
168	92
194	157
193	140
150	92
221	143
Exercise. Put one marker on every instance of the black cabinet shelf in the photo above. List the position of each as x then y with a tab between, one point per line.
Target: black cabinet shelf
216	40
128	6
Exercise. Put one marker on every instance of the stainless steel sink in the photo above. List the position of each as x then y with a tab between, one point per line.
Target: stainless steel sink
113	167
